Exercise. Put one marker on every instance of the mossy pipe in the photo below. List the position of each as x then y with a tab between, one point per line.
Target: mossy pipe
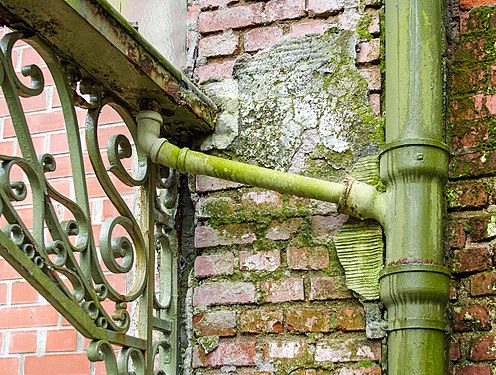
353	197
414	285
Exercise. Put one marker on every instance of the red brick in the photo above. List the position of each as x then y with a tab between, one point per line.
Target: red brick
482	349
283	290
259	261
218	45
231	18
205	4
224	294
298	30
206	184
456	234
454	350
369	51
213	265
61	340
10	366
262	38
375	103
471	318
469	194
3	293
23	342
472	370
261	199
360	371
261	321
324	7
285	349
61	364
308	258
348	350
23	292
28	316
226	354
216	323
240	234
373	77
216	70
39	123
350	319
472	259
276	10
309	320
467	4
329	288
483	284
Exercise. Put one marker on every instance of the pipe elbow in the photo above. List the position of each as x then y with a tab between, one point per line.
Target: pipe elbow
363	201
148	142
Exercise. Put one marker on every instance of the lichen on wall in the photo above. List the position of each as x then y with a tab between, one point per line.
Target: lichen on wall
303	107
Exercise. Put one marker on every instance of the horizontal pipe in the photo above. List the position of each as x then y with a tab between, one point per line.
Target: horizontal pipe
353	197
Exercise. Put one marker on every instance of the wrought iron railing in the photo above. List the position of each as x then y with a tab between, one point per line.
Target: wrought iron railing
76	266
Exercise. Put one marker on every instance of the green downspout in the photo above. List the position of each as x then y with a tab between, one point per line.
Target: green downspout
414	285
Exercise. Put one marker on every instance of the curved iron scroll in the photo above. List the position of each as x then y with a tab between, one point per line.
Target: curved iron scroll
64	259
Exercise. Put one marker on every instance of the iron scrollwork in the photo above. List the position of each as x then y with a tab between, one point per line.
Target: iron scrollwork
64	259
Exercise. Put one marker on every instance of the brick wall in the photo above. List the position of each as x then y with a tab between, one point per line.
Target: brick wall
268	294
34	337
471	193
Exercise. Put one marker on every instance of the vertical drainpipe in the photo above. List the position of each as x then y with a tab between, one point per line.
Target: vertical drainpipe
414	285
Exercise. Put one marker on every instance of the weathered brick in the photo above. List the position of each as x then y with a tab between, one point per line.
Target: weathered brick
326	7
230	234
218	45
213	265
276	10
327	226
373	77
226	354
360	371
261	321
206	4
298	30
260	261
261	199
456	234
375	103
262	38
329	288
216	207
482	349
454	350
483	283
472	259
468	195
471	318
206	184
309	320
224	294
472	370
231	18
216	323
348	350
285	349
283	290
369	51
216	70
308	258
283	231
350	319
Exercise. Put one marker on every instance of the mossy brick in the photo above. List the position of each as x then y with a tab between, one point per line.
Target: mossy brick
475	21
483	348
268	260
360	371
261	321
353	349
468	80
472	370
350	319
470	50
311	372
471	259
214	265
328	288
468	195
205	184
471	318
259	200
469	135
216	207
284	349
473	164
231	234
483	284
468	107
283	290
456	233
226	354
326	227
305	320
215	323
307	258
467	4
278	231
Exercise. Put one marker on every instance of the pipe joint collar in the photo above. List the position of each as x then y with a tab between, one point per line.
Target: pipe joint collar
415	296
